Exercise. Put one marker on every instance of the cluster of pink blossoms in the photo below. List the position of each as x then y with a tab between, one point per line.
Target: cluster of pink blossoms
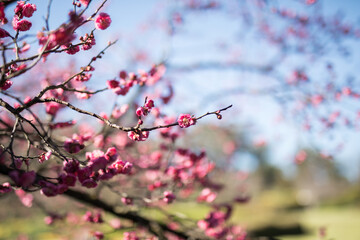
128	80
145	110
214	225
138	135
93	217
23	10
100	166
53	107
64	35
206	195
13	68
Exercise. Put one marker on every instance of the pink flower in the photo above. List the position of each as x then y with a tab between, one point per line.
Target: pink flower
121	90
149	104
111	84
2	13
19	7
300	157
84	77
3	33
71	166
73	145
121	167
24	179
45	156
97	164
89	183
68	179
98	235
127	200
206	196
118	112
5	188
169	197
52	108
70	49
24	197
50	190
115	223
6	85
185	120
138	136
22	25
102	21
28	10
85	2
130	236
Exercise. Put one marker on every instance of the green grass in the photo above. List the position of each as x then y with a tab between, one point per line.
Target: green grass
341	222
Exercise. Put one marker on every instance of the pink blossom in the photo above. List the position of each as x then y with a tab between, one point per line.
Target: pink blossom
169	197
61	36
111	84
316	99
130	236
3	33
206	195
52	108
115	223
62	124
61	188
83	173
121	167
23	179
121	90
6	85
123	74
28	10
73	145
25	198
3	19
22	25
5	188
111	154
19	7
45	156
102	21
89	183
85	2
88	41
49	190
98	218
70	49
98	235
138	136
185	120
68	179
18	162
118	112
49	220
300	157
71	166
84	77
98	163
127	200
